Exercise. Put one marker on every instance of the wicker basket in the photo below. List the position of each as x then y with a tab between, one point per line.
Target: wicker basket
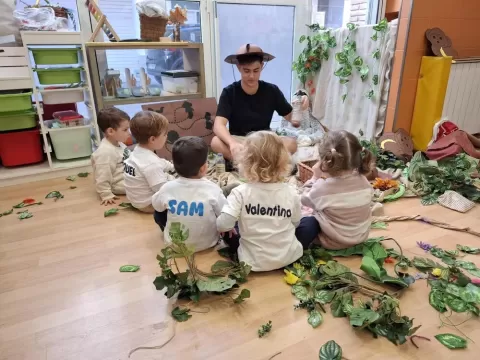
305	171
152	28
58	10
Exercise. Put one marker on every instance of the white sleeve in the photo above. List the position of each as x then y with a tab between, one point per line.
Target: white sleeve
219	203
155	176
234	204
103	176
297	210
159	202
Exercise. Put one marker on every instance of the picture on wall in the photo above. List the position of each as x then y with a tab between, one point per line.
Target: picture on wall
186	118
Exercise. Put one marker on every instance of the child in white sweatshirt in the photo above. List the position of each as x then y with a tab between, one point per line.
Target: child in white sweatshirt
145	173
107	160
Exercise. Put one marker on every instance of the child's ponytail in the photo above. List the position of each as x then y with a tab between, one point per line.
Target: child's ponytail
332	162
367	164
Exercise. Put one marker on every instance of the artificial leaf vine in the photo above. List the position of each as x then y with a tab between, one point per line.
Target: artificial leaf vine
316	50
225	276
330	351
265	329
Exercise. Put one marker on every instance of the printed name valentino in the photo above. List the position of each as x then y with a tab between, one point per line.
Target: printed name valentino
269	211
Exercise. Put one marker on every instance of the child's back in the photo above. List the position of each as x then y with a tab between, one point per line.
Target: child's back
339	193
108	159
267	209
144	171
266	215
191	200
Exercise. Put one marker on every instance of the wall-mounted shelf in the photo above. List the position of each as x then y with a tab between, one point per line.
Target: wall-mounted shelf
193	60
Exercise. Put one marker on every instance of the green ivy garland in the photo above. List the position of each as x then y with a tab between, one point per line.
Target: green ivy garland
316	50
381	28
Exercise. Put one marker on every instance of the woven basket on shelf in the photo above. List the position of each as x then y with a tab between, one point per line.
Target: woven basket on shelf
152	28
305	171
58	10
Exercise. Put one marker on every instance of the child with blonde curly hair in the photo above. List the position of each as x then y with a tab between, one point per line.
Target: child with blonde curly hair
267	209
339	193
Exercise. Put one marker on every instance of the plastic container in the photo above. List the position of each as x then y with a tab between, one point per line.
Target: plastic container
21	148
48	110
18	101
53	56
297	113
17	120
68	115
180	81
71	142
62	97
58	76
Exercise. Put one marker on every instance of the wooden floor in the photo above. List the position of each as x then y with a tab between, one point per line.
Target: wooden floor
62	296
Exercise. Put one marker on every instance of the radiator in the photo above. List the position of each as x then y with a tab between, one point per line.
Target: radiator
462	101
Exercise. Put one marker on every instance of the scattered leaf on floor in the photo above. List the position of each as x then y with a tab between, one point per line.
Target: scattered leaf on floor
110	212
73	187
265	329
129	268
25	215
5	213
244	294
468	249
452	341
54	195
83	174
181	315
72	178
379	225
126	205
330	351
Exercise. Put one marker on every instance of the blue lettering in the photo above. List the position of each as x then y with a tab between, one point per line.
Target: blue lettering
196	209
171	206
182	208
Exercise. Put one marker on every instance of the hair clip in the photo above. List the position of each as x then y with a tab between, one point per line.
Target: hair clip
333	150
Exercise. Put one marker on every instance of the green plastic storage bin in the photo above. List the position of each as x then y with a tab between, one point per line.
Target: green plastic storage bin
15	102
71	142
59	76
17	120
55	56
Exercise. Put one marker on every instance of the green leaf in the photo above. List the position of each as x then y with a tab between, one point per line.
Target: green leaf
110	212
339	303
72	178
474	272
301	292
333	268
470	294
315	318
456	304
374	36
399	282
344	96
453	289
467	265
369	95
472	308
364	70
436	300
452	341
265	329
73	187
351	26
83	174
360	317
375	251
222	266
25	215
330	351
344	81
215	284
423	264
129	268
354	250
324	296
379	225
302	39
468	249
437	252
126	205
54	195
244	294
7	212
375	80
376	54
181	315
370	267
178	233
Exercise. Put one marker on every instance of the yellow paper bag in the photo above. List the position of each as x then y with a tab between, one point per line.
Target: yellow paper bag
431	91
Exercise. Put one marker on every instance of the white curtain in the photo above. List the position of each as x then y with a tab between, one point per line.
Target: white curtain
357	112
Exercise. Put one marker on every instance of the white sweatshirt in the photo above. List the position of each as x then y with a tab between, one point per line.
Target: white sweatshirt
107	163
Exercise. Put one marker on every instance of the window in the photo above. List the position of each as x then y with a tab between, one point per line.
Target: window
337	13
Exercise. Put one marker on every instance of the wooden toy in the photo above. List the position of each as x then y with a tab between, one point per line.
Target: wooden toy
102	22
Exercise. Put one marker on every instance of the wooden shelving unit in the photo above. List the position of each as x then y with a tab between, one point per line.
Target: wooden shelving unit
53	167
193	60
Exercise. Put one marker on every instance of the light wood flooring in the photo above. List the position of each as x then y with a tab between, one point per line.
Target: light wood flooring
63	298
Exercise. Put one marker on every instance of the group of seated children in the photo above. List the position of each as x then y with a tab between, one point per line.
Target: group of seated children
261	219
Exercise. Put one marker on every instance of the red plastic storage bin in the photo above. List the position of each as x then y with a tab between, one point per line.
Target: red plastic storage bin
48	110
21	147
